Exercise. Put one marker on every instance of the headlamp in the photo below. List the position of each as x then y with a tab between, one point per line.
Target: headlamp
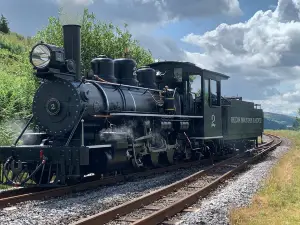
45	55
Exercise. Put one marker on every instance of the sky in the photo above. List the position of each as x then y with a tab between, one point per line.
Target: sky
256	43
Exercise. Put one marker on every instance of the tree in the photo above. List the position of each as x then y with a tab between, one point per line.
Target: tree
97	38
296	124
4	25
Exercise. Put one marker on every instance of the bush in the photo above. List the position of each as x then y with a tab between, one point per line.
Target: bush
17	83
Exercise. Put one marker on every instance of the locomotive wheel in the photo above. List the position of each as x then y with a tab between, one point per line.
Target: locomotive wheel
164	159
171	155
44	180
177	157
136	167
196	155
147	161
73	181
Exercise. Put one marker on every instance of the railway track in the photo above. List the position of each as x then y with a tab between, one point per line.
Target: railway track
12	197
159	205
19	191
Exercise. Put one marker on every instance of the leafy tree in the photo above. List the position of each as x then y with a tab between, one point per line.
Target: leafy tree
97	38
296	124
4	25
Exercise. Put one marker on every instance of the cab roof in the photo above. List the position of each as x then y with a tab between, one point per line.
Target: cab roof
189	68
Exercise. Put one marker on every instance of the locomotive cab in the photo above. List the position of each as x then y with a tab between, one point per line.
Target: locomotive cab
205	103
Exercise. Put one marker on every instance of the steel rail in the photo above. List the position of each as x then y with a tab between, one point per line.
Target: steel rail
19	191
160	214
14	196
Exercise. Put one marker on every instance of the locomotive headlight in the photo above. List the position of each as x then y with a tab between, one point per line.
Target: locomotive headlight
45	55
40	56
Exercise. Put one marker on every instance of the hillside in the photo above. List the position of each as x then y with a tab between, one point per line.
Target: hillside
17	84
277	121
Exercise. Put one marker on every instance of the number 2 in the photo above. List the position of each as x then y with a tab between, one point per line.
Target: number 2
52	107
213	119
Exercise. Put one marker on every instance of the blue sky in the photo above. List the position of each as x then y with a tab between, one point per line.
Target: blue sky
28	16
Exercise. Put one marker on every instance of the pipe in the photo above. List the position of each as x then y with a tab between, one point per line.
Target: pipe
72	46
82	132
138	164
24	129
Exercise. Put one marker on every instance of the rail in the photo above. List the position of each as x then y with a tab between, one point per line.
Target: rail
11	197
166	202
14	196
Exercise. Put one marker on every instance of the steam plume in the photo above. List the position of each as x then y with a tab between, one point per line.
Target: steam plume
71	11
13	129
116	133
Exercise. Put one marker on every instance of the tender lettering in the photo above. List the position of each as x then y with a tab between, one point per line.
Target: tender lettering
245	120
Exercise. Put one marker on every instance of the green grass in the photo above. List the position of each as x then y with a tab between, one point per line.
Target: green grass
278	202
17	85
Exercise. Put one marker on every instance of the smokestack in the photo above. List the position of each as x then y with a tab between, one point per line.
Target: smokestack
72	45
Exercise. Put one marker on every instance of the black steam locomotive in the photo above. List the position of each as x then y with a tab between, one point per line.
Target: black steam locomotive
121	117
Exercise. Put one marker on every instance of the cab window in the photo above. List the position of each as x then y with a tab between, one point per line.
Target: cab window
206	91
213	92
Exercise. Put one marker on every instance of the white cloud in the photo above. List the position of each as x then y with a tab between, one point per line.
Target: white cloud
277	104
144	16
157	11
261	55
167	10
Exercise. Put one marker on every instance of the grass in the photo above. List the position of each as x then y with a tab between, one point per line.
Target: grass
278	202
17	84
259	140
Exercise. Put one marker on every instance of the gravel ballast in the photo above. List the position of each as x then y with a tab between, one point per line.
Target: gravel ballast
68	209
236	193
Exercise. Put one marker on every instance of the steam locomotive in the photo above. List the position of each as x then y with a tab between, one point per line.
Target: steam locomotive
120	117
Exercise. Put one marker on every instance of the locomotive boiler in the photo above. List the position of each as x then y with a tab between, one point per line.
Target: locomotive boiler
120	117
